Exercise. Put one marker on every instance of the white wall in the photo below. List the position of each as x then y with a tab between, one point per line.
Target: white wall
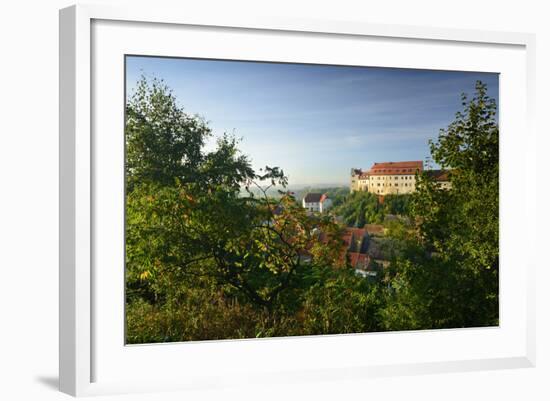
311	206
28	201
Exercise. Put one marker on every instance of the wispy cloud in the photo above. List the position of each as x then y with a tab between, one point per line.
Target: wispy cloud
317	121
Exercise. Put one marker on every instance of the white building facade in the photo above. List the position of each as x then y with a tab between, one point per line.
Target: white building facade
393	178
387	178
316	202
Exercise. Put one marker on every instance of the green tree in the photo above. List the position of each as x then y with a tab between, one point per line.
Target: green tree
255	246
189	222
449	274
164	143
339	301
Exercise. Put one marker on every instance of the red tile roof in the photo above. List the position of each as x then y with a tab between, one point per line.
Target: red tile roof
347	238
396	168
357	232
358	260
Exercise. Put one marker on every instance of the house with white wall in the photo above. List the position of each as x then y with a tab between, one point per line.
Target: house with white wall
316	202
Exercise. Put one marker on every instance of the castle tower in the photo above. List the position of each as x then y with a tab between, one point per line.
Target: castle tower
354	179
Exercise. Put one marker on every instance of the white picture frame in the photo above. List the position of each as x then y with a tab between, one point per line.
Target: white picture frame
88	356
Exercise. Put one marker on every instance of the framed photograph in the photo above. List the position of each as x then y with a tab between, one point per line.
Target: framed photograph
274	200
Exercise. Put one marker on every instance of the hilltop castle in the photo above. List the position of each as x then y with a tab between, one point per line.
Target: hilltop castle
393	178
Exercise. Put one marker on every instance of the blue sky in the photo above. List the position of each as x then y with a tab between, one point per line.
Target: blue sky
315	121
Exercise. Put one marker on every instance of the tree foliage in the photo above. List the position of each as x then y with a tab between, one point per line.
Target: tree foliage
165	144
360	208
449	276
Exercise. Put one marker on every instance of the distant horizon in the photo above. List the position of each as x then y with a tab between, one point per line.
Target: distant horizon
316	122
314	186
